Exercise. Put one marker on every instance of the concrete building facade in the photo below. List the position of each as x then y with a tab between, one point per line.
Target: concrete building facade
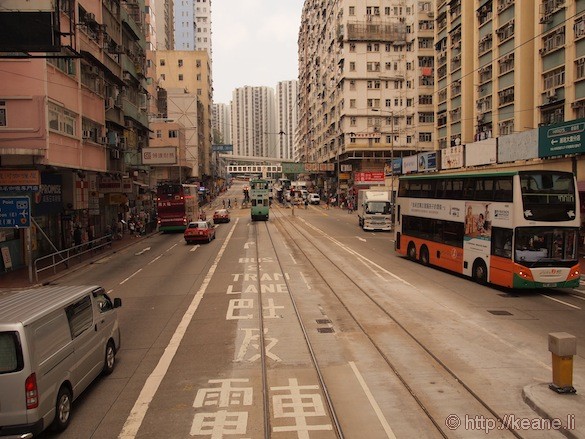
192	22
221	122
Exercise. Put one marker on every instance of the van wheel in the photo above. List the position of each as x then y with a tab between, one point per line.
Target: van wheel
110	359
62	410
479	272
411	251
424	255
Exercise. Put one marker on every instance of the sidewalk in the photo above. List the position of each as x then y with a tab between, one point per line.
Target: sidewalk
19	278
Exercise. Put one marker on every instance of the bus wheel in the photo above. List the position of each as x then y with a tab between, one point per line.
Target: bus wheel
424	255
480	272
412	251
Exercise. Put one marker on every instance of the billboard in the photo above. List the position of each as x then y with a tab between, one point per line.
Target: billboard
483	152
452	157
518	146
159	156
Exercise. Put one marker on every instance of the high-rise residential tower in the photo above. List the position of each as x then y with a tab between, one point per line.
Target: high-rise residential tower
221	123
287	118
254	122
365	82
192	19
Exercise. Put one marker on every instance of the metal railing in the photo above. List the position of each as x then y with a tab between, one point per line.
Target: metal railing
69	255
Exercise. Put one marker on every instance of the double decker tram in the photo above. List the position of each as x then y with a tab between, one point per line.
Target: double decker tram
259	199
514	229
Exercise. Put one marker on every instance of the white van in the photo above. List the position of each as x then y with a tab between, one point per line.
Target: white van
54	341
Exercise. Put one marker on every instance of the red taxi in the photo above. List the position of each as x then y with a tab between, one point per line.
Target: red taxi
199	231
221	216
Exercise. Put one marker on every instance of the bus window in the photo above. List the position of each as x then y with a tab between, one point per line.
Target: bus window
502	242
503	189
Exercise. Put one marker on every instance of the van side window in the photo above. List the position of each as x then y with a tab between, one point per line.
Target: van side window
10	352
104	302
80	316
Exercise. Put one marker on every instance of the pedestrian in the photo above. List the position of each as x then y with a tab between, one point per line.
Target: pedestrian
223	203
229	203
77	235
306	203
327	201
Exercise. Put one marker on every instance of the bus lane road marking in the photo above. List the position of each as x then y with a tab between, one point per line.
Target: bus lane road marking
152	383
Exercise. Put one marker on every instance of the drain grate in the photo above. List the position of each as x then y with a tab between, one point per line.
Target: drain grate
323	321
325	330
499	312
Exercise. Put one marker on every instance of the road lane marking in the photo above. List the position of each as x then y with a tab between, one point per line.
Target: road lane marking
138	412
155	259
361	239
305	280
374	404
194	248
578	297
172	247
142	251
131	276
560	301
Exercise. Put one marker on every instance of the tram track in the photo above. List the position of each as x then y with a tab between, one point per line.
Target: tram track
287	226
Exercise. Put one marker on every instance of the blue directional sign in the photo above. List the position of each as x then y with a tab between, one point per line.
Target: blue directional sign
14	212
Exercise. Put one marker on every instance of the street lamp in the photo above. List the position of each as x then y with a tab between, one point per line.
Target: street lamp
391	113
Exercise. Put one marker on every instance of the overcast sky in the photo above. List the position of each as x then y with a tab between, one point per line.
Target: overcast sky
254	43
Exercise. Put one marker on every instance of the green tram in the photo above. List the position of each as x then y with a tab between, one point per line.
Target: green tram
259	199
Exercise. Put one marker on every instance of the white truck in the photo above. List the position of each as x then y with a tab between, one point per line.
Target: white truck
375	209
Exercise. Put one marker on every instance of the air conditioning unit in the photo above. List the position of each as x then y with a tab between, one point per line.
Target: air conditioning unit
87	134
551	94
90	17
128	123
431	14
547	19
127	76
542	51
93	70
111	102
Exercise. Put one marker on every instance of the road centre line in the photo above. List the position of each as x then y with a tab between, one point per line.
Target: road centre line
138	412
172	247
373	403
131	276
560	301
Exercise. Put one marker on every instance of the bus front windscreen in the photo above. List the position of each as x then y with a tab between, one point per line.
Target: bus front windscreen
548	195
545	245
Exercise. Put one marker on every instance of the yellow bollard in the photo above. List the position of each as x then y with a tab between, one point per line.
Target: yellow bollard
562	346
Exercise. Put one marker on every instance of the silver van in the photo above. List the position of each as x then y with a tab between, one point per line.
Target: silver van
54	341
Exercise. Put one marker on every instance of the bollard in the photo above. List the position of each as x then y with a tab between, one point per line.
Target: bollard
562	346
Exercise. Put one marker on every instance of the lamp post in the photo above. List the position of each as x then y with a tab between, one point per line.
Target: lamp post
392	198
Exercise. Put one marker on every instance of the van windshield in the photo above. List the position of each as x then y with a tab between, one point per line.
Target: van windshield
10	352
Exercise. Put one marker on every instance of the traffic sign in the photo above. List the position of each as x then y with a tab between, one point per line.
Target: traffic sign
562	138
14	212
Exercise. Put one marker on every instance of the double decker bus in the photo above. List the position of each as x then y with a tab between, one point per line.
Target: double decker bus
259	199
177	204
514	229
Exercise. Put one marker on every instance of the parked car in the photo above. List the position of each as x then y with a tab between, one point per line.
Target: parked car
221	216
199	231
54	341
314	199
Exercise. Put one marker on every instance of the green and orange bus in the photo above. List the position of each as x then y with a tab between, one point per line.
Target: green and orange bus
515	229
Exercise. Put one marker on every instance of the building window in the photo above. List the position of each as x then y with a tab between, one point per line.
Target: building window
62	120
352	103
180	77
352	10
159	134
162	62
3	114
173	134
352	66
352	47
180	63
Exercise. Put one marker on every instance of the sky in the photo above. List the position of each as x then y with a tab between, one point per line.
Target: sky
254	43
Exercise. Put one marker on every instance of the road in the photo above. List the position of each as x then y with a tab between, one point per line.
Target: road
358	342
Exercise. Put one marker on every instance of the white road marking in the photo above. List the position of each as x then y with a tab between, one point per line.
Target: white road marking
248	244
155	259
560	301
361	239
142	251
195	248
375	406
172	247
305	280
578	297
294	261
131	276
138	412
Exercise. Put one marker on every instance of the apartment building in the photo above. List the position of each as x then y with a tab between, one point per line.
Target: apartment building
186	75
74	123
366	82
192	23
164	25
286	118
221	122
254	122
